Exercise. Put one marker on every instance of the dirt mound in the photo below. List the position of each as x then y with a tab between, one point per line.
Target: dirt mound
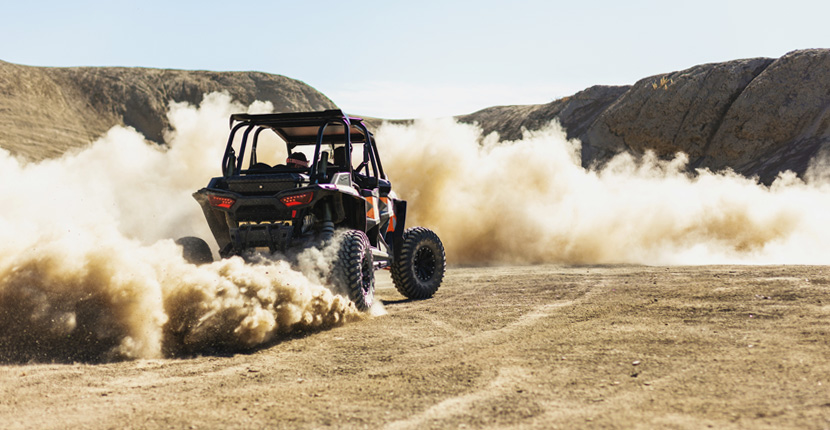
757	116
46	111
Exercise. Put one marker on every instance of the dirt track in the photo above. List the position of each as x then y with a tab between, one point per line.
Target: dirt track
503	347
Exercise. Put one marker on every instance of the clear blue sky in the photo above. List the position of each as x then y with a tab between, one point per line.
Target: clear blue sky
417	58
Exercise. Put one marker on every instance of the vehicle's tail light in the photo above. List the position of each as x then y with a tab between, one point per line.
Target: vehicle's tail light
221	202
297	199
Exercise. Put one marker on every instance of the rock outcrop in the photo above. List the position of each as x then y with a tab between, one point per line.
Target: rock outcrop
780	121
576	114
45	111
756	116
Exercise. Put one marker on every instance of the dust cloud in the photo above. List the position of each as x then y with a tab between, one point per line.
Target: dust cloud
530	201
89	270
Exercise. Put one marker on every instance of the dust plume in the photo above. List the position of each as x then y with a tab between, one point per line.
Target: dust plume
530	201
89	271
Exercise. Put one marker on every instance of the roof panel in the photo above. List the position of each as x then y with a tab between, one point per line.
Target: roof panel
302	127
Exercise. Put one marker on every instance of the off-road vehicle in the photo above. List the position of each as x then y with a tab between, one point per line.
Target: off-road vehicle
332	181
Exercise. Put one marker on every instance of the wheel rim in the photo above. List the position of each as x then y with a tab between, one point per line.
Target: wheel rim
424	264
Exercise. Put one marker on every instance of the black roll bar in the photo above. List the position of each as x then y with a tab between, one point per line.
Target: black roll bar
253	147
344	121
229	148
242	147
373	152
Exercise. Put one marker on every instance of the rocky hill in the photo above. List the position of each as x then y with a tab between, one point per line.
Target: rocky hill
44	111
757	116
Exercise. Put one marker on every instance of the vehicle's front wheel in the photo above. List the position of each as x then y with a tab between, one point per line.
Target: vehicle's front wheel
354	269
419	269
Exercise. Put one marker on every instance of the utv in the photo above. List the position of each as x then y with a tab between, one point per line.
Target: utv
332	180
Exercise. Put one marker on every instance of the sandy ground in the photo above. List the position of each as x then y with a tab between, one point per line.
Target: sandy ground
500	347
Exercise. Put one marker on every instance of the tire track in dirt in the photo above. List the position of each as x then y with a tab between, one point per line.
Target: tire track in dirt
490	337
507	379
497	336
160	375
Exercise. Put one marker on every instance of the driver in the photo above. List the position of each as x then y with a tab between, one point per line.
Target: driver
297	160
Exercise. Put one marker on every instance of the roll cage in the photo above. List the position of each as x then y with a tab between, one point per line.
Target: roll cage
305	129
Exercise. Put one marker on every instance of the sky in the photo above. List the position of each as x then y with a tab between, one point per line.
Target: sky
420	58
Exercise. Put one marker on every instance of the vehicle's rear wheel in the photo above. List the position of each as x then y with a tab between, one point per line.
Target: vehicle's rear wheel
354	269
195	250
419	269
